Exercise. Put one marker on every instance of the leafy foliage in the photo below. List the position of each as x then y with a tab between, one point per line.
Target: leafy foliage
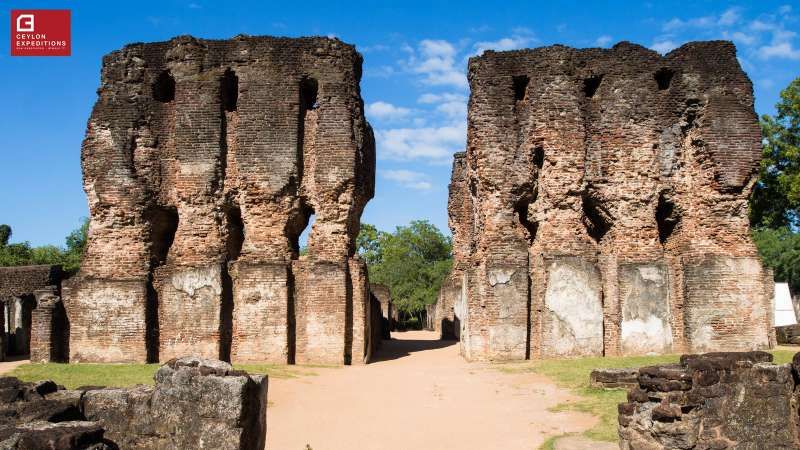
775	202
780	250
413	261
20	254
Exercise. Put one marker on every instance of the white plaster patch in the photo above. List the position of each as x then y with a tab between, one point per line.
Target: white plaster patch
646	336
576	313
500	276
651	273
192	280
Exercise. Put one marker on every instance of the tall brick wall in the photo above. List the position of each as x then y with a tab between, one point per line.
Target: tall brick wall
601	205
19	292
203	162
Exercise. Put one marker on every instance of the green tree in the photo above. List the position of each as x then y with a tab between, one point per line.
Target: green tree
5	234
413	261
22	253
780	250
775	202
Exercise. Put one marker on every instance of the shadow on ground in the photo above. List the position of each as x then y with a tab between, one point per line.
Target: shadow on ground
399	348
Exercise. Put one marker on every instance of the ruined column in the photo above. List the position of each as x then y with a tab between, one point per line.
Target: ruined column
48	328
230	148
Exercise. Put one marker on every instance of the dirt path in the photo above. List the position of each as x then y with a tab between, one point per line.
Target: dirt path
419	395
12	363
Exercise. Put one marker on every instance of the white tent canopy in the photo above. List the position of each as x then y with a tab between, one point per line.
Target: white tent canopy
784	310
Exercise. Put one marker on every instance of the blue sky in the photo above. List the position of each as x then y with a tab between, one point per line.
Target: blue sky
414	84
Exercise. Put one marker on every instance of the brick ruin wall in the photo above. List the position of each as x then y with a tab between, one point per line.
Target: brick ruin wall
203	162
622	228
714	401
383	297
38	323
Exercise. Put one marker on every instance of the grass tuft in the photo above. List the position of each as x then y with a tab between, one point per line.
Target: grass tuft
124	375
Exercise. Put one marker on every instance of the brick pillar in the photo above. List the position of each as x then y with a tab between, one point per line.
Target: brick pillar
48	326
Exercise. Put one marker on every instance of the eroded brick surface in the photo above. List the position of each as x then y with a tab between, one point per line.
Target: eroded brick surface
601	205
203	162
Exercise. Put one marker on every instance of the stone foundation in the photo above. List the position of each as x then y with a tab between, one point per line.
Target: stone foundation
195	404
713	401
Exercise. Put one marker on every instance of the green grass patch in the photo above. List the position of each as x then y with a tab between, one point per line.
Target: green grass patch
123	375
573	374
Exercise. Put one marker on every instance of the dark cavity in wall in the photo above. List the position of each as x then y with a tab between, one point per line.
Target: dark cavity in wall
538	157
667	218
164	87
520	83
163	225
591	84
235	232
521	208
296	227
226	315
309	89
229	90
663	77
595	218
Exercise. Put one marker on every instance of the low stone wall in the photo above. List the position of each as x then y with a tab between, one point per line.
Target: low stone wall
713	401
788	334
614	378
195	404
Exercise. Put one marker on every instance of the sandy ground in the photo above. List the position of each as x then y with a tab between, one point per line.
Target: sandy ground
12	363
419	394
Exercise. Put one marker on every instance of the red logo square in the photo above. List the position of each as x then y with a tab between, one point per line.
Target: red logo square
40	32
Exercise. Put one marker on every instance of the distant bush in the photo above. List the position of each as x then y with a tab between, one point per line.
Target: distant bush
22	253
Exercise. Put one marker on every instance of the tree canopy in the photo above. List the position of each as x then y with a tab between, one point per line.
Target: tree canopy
413	261
22	253
775	202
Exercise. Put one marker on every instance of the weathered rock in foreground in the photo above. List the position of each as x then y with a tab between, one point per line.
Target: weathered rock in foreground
203	162
714	401
601	205
195	404
613	378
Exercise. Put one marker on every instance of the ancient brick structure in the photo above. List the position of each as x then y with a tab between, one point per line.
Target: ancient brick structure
195	404
384	297
714	401
29	329
203	162
601	206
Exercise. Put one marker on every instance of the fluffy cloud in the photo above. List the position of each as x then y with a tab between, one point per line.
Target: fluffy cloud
451	105
781	45
408	178
386	111
435	144
435	60
664	46
520	38
603	40
729	17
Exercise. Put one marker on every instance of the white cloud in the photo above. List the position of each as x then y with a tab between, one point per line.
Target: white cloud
781	46
744	38
520	38
785	9
664	46
779	50
451	105
730	17
194	6
603	40
435	144
379	72
386	111
429	98
435	61
408	178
